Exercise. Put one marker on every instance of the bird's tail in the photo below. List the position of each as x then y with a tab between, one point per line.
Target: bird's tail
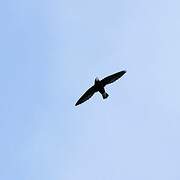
105	95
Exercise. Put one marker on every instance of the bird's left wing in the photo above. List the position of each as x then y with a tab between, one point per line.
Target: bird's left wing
112	78
88	94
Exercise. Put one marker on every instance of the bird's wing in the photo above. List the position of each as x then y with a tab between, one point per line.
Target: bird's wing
89	93
112	78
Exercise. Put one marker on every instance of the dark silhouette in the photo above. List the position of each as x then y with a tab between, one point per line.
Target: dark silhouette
99	86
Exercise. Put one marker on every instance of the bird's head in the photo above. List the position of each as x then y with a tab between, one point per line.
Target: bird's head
96	79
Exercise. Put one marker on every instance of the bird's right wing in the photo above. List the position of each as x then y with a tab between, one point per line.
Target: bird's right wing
110	79
88	94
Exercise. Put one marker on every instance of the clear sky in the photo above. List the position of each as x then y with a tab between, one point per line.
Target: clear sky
51	51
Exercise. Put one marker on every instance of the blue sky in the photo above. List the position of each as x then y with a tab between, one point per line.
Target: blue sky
51	51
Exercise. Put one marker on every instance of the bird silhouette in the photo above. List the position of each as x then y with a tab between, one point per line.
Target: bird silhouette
99	87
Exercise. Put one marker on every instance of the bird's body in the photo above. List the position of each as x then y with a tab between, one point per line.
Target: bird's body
99	87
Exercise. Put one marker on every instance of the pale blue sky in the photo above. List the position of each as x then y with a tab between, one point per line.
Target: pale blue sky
51	51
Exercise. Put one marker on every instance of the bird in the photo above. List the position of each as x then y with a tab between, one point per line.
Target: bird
99	87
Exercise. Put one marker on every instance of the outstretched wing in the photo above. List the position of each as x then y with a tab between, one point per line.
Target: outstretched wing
112	78
89	93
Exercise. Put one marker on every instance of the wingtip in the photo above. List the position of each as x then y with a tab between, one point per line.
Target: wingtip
77	104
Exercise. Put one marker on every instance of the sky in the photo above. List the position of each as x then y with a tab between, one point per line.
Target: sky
51	52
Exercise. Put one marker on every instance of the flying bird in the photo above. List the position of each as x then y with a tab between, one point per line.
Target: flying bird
99	87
